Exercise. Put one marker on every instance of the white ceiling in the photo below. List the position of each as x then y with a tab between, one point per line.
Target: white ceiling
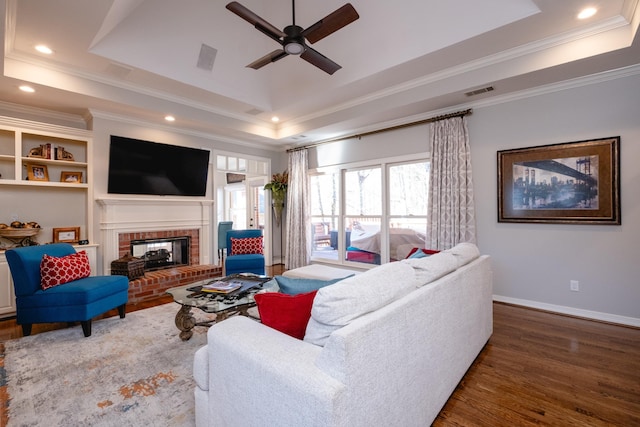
401	60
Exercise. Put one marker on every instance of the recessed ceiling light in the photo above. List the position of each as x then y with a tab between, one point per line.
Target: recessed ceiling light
26	88
44	49
275	119
170	118
587	13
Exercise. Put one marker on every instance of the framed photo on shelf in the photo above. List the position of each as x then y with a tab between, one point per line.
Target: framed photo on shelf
37	172
571	183
66	235
71	177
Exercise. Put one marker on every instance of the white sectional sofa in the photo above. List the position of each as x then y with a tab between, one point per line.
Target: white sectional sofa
385	347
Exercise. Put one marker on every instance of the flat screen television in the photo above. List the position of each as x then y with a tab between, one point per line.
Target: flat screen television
144	167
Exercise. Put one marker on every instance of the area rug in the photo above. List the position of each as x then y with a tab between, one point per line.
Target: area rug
130	372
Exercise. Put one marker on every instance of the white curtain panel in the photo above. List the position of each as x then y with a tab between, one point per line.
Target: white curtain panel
298	226
451	218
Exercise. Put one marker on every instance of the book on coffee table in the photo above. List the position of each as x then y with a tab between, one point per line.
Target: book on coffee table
221	286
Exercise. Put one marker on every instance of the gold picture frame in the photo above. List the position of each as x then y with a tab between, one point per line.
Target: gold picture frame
66	235
37	172
71	177
568	183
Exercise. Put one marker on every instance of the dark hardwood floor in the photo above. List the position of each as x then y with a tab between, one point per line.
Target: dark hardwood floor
538	369
546	369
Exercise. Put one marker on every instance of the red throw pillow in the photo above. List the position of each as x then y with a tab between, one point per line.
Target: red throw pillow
288	314
247	245
55	271
424	251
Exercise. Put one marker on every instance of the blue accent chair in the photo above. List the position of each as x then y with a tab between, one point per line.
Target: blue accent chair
244	263
76	301
223	227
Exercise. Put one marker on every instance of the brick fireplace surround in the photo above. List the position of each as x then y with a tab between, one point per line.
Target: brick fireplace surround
155	283
124	219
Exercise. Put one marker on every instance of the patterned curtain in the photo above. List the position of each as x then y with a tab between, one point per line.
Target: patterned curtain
451	218
298	226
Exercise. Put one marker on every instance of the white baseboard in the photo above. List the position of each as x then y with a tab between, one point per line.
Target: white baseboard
595	315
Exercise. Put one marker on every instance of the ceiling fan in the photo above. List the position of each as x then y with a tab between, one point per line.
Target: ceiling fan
292	37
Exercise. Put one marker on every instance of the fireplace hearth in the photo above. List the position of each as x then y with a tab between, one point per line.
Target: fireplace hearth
161	253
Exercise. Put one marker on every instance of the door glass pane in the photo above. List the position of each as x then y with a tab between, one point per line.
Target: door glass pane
363	239
363	192
238	207
363	205
325	206
408	188
408	199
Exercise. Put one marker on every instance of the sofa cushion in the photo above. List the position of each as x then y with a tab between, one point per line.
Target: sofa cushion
247	245
56	271
288	314
294	286
339	304
432	268
319	271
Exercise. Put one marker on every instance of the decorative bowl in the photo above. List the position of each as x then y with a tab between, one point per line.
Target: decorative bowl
19	232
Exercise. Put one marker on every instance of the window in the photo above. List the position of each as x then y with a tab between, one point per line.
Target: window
381	217
325	209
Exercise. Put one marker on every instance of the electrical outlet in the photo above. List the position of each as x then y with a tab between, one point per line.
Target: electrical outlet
574	285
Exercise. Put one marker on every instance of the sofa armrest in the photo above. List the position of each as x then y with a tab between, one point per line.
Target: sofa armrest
268	377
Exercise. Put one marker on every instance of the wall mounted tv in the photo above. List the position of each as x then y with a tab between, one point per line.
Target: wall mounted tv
144	167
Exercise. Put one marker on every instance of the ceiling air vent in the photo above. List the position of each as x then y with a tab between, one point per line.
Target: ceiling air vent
479	91
254	111
206	57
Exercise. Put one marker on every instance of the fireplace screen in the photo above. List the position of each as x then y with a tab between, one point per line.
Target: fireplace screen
162	253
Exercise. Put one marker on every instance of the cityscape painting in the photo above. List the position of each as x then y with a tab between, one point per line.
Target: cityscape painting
576	182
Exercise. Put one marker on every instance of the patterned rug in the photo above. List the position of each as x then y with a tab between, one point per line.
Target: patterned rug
130	372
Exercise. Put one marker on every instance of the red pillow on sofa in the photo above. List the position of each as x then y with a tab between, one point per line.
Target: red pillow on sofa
55	271
424	251
247	245
288	314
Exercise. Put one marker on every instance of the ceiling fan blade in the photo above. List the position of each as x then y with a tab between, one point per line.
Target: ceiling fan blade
319	60
331	23
268	59
256	21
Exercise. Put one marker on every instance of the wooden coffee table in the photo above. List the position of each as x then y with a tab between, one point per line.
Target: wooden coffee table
223	305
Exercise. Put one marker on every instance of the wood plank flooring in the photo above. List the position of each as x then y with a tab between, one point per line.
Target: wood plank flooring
546	369
538	369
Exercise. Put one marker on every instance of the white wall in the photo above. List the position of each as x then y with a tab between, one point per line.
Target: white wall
103	128
533	263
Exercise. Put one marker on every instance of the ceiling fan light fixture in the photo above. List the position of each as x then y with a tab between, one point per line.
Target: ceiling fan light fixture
294	48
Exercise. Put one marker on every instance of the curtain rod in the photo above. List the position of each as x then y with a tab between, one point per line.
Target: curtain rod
373	132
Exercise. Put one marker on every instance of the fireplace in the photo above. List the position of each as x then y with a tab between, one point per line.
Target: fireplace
158	240
126	219
160	253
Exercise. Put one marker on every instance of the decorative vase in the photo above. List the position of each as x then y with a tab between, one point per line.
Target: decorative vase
277	212
277	204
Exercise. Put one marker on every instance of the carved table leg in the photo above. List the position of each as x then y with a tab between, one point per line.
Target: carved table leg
185	322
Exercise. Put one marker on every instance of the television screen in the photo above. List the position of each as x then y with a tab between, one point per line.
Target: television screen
143	167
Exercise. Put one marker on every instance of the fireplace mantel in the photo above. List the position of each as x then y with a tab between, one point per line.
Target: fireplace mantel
130	215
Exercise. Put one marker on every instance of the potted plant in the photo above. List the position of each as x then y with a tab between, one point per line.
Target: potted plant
278	187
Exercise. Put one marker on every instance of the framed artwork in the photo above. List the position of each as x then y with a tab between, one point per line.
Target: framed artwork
570	183
66	235
71	177
37	173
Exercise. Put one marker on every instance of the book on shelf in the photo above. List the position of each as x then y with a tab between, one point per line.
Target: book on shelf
222	286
